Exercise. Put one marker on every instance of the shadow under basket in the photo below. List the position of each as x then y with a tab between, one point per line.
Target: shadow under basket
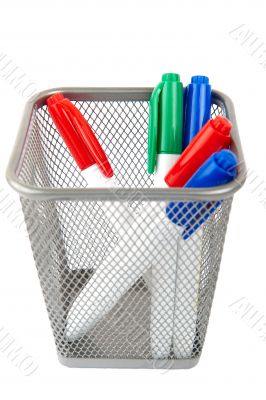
121	286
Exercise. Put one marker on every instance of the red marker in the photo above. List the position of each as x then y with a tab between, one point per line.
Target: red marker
213	136
78	136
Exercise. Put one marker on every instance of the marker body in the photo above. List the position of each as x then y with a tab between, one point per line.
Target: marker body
164	163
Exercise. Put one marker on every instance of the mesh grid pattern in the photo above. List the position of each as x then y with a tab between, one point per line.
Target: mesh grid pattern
118	278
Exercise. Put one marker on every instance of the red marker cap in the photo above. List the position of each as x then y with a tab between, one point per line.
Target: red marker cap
77	134
213	136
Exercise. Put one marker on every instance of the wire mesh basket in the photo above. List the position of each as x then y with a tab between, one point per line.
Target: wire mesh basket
121	286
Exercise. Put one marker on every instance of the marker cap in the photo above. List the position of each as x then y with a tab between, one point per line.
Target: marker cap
213	136
197	107
77	134
219	169
165	119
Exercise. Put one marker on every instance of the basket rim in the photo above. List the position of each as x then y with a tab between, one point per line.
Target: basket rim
119	194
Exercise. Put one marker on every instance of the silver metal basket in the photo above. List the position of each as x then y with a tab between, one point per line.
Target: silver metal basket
150	305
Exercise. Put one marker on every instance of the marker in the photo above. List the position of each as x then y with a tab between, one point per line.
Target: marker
164	148
213	136
94	167
197	112
219	169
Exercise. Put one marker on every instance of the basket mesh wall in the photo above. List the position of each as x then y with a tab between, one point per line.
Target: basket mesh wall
118	278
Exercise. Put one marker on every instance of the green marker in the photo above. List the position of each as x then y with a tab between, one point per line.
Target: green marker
165	127
164	148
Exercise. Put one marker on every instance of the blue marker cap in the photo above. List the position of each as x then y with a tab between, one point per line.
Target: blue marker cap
197	107
219	169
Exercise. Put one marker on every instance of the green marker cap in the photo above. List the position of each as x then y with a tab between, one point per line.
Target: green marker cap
165	119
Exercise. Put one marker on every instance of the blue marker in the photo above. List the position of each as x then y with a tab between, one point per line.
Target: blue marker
197	107
219	169
197	111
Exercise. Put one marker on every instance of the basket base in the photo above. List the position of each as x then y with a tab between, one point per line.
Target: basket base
124	363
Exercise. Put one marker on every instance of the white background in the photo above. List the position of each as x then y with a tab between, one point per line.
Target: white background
120	43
